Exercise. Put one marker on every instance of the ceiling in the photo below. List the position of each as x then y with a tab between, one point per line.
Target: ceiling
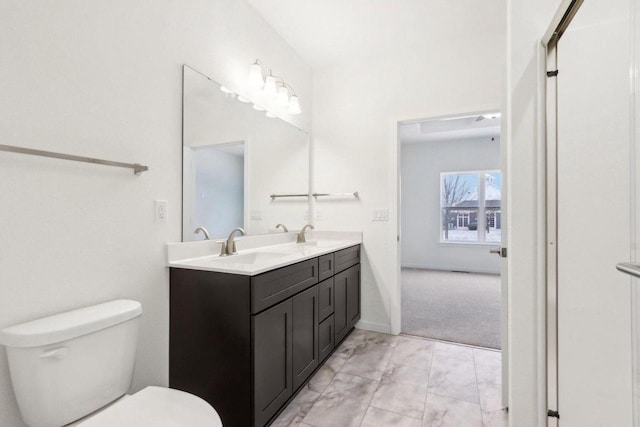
453	129
326	32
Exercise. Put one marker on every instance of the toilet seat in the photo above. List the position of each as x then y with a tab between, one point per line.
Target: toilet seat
156	407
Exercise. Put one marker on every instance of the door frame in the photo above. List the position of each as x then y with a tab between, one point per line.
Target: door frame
395	300
560	22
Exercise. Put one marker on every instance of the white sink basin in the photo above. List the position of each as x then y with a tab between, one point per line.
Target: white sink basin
325	243
258	255
251	258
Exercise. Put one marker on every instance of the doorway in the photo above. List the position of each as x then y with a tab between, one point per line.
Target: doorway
451	219
214	179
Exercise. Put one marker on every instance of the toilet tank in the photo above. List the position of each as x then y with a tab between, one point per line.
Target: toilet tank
64	367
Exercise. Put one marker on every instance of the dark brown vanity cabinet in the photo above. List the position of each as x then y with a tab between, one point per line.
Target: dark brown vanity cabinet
272	360
247	344
326	266
305	335
347	301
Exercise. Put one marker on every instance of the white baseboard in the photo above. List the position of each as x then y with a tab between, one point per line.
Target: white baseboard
451	268
374	327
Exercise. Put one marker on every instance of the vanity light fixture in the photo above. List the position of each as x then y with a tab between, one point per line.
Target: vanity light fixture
257	107
225	90
270	115
275	88
256	77
294	105
270	88
283	96
241	99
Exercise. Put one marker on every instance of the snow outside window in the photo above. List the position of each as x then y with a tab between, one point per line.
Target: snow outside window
470	207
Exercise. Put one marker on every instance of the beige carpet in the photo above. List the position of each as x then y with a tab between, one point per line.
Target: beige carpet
457	307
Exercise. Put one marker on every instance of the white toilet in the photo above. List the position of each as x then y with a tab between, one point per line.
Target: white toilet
76	367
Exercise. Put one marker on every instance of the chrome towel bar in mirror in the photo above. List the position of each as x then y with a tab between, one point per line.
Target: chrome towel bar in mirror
629	268
354	194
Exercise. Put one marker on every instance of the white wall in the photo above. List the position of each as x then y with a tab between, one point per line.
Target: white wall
421	165
103	79
357	106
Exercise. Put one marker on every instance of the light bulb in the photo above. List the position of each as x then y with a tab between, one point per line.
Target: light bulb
283	97
294	105
257	107
255	76
241	99
225	90
270	115
270	88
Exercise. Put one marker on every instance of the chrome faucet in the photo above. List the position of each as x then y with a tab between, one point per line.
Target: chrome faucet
301	238
204	230
284	227
229	247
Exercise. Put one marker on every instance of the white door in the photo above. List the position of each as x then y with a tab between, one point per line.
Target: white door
504	277
593	218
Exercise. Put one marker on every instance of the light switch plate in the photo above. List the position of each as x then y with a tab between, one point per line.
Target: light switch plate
380	214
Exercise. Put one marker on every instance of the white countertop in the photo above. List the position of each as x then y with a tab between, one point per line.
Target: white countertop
258	254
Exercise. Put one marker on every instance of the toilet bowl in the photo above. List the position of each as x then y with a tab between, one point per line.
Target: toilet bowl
74	369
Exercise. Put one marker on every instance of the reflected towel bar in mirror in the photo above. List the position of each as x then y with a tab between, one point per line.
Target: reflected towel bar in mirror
354	194
629	268
137	168
316	195
277	196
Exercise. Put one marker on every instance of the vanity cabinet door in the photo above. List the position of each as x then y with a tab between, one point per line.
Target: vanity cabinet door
305	335
325	338
325	299
272	360
341	325
346	301
353	295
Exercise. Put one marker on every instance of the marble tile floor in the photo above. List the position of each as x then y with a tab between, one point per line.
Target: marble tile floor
379	380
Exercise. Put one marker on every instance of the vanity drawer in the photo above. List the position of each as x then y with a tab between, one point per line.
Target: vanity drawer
326	338
325	299
272	287
346	258
325	267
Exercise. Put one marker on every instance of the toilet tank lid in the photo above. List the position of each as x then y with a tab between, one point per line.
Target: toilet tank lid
70	324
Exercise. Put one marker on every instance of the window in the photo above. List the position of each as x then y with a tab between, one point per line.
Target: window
463	219
470	207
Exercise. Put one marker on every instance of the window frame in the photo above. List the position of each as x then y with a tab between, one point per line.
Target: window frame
481	208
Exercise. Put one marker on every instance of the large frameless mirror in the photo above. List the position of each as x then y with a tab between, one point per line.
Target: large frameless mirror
234	158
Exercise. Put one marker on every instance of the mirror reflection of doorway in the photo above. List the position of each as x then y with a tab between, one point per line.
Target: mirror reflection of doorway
218	185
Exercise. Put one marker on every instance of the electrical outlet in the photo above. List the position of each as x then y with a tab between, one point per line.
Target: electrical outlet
256	215
306	215
318	214
162	211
